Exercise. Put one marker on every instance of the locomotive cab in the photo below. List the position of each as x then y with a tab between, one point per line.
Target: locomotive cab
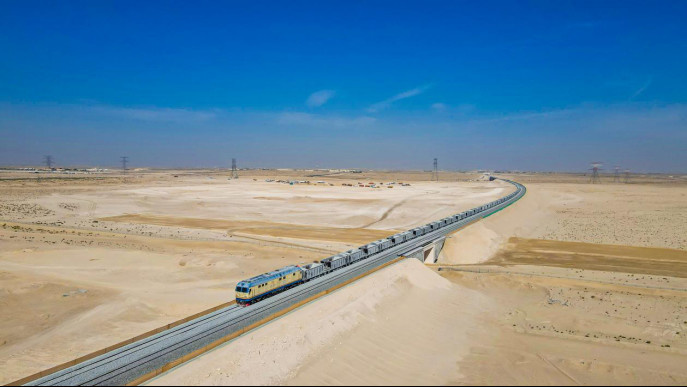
242	291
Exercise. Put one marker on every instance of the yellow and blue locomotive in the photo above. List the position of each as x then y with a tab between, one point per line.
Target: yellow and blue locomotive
268	284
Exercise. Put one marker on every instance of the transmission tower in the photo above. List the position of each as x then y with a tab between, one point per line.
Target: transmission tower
124	160
596	167
616	176
435	171
627	176
234	170
48	161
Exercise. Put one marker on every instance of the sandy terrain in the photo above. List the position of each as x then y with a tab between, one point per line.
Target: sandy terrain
576	283
346	337
516	308
649	215
408	325
86	262
563	326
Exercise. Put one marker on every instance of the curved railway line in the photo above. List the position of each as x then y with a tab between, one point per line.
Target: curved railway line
149	356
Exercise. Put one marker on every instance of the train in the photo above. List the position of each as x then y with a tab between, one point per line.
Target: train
269	284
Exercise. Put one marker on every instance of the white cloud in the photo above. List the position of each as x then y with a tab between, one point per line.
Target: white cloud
319	98
152	114
641	89
387	102
322	121
440	107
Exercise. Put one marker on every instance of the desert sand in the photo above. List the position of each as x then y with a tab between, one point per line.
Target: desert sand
89	262
576	283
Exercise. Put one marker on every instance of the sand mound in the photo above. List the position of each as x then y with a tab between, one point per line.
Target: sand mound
306	337
476	244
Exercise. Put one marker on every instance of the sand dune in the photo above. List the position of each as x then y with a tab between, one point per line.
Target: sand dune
389	327
634	215
348	235
590	291
408	325
150	249
518	322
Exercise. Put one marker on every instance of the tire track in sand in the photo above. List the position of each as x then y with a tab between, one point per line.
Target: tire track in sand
395	206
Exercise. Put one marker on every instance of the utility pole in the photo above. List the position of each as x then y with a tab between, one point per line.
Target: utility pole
234	170
124	160
435	171
48	161
596	167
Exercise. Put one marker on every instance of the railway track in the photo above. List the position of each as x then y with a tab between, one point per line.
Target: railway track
143	359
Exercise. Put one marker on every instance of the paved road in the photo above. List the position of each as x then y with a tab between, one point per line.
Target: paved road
133	361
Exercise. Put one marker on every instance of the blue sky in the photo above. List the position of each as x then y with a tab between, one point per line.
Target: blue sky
526	85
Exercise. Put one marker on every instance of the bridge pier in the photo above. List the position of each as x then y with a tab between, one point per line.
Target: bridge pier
428	253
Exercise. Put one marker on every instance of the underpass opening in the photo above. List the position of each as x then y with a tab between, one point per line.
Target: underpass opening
429	255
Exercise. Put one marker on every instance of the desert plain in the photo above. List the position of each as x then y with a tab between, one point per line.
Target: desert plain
576	283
